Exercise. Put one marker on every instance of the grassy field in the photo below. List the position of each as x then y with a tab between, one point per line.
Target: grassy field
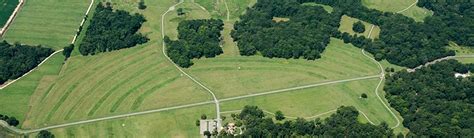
217	8
347	23
6	9
309	102
52	23
14	100
414	12
176	123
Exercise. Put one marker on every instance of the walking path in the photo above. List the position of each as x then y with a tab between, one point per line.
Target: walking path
439	60
218	117
382	78
408	7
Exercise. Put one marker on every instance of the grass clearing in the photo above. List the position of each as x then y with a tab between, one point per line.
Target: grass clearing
415	12
174	123
326	7
217	8
232	76
6	9
15	99
52	23
318	100
347	23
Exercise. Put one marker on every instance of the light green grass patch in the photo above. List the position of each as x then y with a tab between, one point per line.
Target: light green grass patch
347	23
461	50
14	100
239	75
315	101
415	12
218	8
173	123
52	23
326	7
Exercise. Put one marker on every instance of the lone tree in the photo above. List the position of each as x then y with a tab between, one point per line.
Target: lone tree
203	116
207	134
67	51
180	11
45	134
358	27
279	115
363	95
141	5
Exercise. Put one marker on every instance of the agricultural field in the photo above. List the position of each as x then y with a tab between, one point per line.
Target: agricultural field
6	9
399	6
347	23
52	23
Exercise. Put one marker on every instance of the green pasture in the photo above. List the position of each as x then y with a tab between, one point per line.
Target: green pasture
307	103
174	123
217	8
414	12
52	23
6	9
15	99
347	23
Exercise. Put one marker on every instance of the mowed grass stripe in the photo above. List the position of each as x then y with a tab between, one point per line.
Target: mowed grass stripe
58	91
106	77
63	98
138	102
120	100
145	71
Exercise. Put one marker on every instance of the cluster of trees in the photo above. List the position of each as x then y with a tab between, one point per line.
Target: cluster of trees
68	50
141	5
358	27
306	33
432	101
12	121
341	124
17	59
45	134
403	41
196	39
112	30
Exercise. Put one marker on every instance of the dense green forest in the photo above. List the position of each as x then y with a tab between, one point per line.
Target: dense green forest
17	59
196	39
343	123
402	41
305	34
432	101
112	30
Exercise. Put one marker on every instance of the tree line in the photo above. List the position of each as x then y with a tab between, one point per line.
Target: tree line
196	39
432	101
403	41
112	30
17	59
306	33
343	123
12	121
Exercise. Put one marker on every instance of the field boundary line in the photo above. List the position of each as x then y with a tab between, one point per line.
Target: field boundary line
298	88
12	17
218	117
21	131
42	62
408	7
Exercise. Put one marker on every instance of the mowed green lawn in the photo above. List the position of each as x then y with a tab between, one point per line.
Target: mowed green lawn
52	23
217	8
414	12
15	99
313	101
123	81
347	23
6	9
175	123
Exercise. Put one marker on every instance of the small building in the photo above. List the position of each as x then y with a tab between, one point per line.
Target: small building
207	125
